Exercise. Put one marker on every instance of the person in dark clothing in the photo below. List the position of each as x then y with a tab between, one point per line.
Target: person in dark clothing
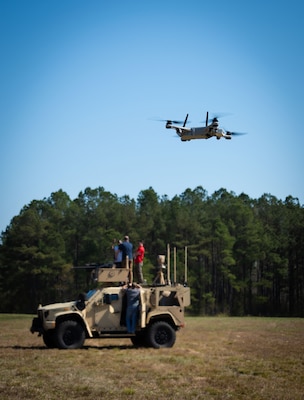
133	300
126	247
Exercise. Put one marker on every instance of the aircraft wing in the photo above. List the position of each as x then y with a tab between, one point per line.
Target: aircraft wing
180	130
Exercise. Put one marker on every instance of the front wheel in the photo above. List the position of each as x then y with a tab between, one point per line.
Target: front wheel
139	340
70	335
161	335
49	339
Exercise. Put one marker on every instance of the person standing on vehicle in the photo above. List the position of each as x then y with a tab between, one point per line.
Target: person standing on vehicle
138	262
117	253
126	248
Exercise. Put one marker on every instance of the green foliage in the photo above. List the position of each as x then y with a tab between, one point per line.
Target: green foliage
245	256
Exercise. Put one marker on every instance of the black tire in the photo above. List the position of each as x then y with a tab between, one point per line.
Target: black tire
161	335
139	340
49	339
70	335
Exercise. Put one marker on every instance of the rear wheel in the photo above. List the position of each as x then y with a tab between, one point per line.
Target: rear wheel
161	335
70	335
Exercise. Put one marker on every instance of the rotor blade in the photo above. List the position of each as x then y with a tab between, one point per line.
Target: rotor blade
170	120
236	133
186	120
216	116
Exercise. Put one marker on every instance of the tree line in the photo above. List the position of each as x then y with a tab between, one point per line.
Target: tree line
245	256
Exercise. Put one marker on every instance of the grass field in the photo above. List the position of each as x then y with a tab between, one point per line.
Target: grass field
213	358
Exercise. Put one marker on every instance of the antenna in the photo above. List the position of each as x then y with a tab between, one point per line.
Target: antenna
186	265
174	259
168	264
175	266
207	115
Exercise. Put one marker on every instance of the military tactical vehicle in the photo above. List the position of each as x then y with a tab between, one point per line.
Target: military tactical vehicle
100	313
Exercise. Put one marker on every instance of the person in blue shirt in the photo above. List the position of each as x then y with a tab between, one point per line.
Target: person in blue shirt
126	248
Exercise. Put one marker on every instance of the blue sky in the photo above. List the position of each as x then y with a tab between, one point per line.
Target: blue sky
82	82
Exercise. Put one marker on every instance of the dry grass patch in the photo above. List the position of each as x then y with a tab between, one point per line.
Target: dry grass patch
213	358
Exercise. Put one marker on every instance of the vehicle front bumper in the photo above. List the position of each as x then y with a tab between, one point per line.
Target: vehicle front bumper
37	325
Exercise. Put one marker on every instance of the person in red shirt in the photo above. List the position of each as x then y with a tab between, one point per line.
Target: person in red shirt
138	262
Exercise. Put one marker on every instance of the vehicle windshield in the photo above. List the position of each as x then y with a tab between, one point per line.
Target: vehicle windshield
90	293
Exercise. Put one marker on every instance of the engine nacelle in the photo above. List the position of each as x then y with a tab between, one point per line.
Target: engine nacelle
215	123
